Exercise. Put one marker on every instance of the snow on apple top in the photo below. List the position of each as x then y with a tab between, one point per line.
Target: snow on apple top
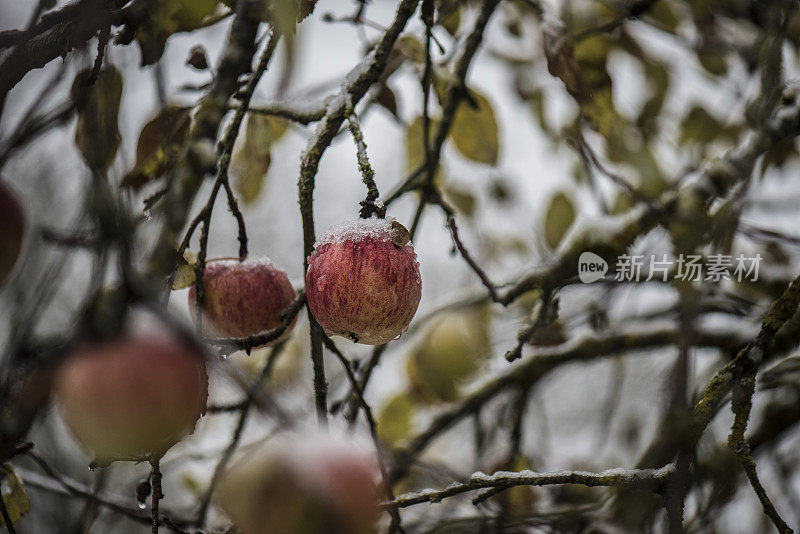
357	229
251	262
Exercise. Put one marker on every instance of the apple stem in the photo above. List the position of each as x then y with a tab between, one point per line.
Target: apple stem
157	495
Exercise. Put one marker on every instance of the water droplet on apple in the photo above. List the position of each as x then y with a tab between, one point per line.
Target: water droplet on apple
321	283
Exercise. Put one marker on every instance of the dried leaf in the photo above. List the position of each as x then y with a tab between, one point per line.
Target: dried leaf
160	143
97	130
400	235
166	17
197	58
474	131
558	219
582	68
387	100
14	495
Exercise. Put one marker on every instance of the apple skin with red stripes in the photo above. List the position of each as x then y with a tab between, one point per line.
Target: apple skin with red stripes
363	281
243	298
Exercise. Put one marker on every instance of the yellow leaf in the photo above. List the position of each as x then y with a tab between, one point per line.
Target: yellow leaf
560	216
14	497
251	158
97	131
474	130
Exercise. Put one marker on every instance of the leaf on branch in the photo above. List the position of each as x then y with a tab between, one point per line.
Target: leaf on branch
474	130
14	495
449	16
387	100
415	151
251	158
582	68
412	48
699	126
461	198
167	17
160	142
97	131
558	219
185	275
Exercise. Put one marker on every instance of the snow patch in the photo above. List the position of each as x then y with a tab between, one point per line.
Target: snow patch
357	229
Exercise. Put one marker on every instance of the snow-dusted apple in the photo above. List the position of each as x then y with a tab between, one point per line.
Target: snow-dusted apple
243	298
308	484
363	281
12	227
133	397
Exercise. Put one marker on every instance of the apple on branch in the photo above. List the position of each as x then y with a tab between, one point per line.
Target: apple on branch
363	281
243	298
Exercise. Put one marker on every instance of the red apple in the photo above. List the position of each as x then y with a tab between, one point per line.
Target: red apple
133	397
363	281
305	485
12	226
243	298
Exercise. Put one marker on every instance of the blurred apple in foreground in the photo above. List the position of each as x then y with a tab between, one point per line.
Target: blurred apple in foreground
310	484
243	298
133	397
363	281
12	226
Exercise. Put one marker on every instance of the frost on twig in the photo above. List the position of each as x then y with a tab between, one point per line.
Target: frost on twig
652	479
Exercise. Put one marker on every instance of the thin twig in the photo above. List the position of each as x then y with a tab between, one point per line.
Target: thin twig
650	479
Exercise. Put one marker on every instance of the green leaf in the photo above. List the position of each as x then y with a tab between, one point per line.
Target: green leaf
699	126
412	48
251	158
395	419
160	143
97	130
663	13
713	62
14	495
558	219
474	130
461	198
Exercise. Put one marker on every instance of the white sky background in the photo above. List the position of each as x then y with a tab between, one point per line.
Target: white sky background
568	399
